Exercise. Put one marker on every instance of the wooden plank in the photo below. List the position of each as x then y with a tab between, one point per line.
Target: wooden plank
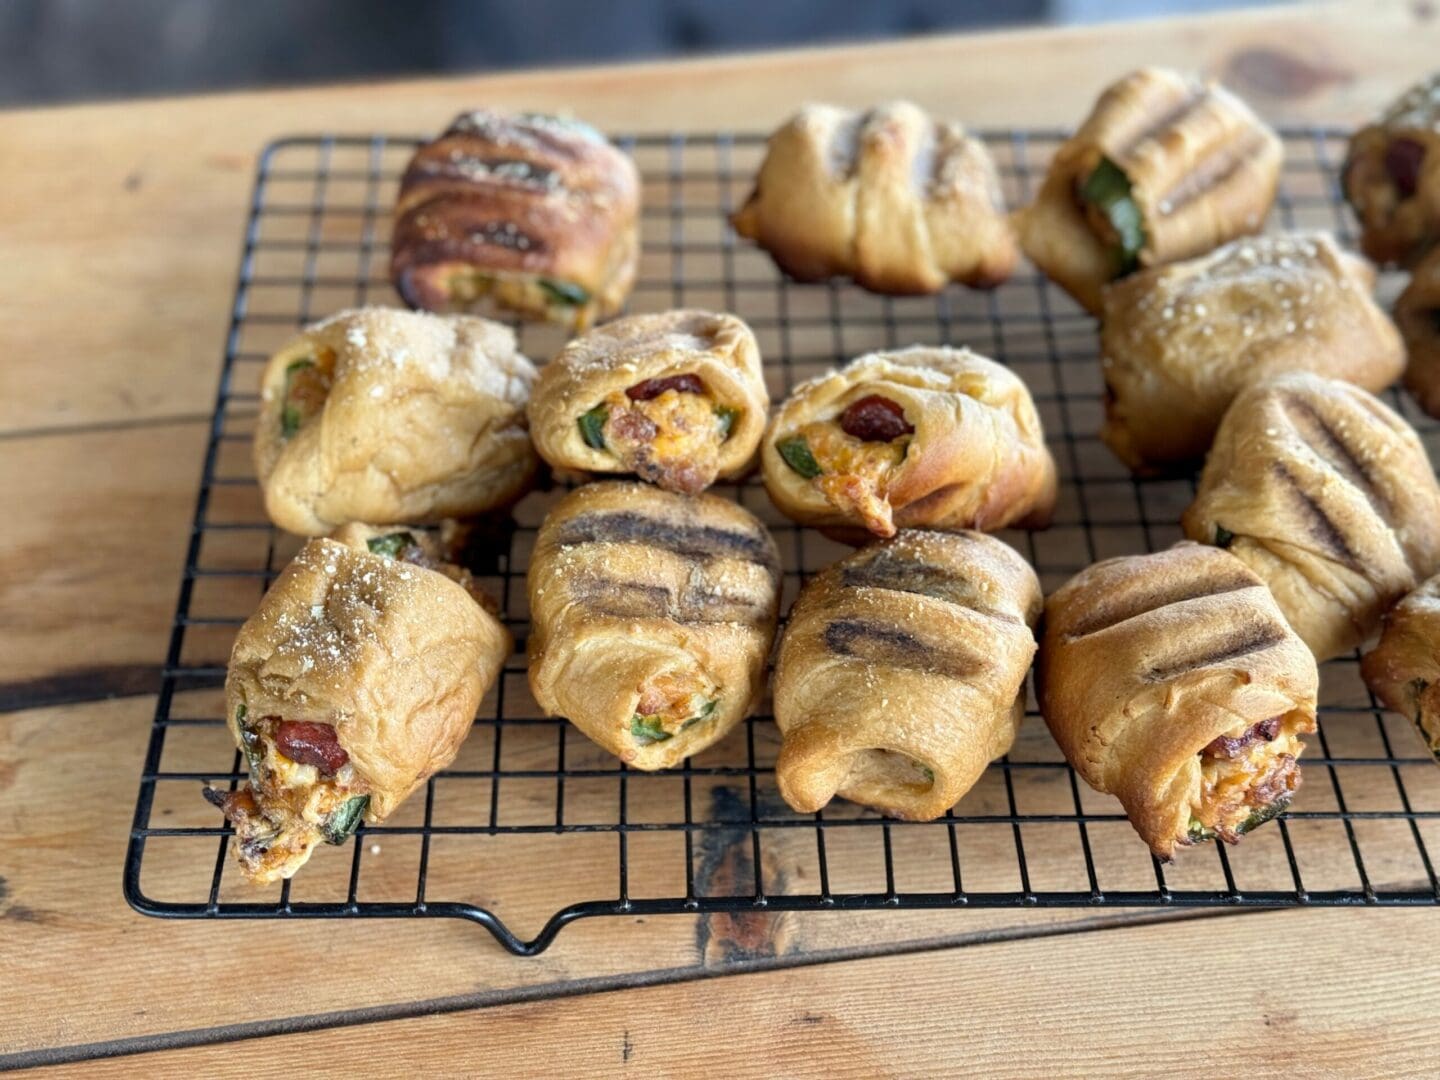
148	197
1314	993
67	782
96	528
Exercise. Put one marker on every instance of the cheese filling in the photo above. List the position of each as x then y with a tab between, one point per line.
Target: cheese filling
1245	780
532	294
671	702
307	385
672	440
855	474
288	807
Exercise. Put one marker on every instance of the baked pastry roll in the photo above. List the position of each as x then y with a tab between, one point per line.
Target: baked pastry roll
651	616
677	399
901	673
1403	670
355	681
925	436
1392	177
1165	167
1328	496
385	416
898	201
538	213
1417	313
1177	343
1173	682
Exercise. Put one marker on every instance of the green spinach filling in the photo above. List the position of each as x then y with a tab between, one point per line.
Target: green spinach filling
592	427
290	416
391	545
564	292
647	729
1107	189
796	453
345	820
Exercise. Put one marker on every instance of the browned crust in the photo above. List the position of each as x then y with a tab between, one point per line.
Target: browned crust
1203	170
918	646
1145	660
1329	497
1417	314
628	581
1178	342
898	201
978	458
1403	670
1395	229
517	195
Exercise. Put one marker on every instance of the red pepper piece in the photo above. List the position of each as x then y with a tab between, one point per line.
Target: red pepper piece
875	419
1402	162
311	744
653	388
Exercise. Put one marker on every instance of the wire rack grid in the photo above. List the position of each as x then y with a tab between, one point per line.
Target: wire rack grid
533	826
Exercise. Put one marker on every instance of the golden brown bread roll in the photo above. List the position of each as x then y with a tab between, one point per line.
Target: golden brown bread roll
1403	670
1417	314
393	416
1329	497
1392	177
901	673
537	212
354	682
1164	168
677	398
1173	682
925	436
1179	342
651	616
898	201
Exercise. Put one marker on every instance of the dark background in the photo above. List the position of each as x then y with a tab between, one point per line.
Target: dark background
64	50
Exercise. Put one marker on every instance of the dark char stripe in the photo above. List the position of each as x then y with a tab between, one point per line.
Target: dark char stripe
1327	443
885	571
1246	641
893	647
695	607
1178	593
689	541
1321	528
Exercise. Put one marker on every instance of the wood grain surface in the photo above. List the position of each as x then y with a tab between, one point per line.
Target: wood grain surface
121	227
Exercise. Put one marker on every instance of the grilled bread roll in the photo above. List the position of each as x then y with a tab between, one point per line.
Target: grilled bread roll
1417	313
676	398
1403	670
1328	496
537	212
902	673
387	416
898	201
1392	177
1177	343
1164	168
1173	682
355	681
652	616
925	436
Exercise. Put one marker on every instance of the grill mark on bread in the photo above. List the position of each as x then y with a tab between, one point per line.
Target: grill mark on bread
1245	641
693	607
1322	529
687	541
1317	434
1211	173
1173	115
879	643
918	579
1181	592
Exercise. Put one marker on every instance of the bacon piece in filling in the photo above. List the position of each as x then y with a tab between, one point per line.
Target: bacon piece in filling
1245	778
858	453
667	431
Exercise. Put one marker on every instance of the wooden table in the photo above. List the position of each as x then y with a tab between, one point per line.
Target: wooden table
119	229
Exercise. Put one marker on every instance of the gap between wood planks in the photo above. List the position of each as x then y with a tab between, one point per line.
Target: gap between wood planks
173	1040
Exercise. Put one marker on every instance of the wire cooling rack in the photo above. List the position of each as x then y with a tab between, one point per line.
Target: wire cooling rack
534	827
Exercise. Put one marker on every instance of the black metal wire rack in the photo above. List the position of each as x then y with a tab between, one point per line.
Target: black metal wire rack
596	838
